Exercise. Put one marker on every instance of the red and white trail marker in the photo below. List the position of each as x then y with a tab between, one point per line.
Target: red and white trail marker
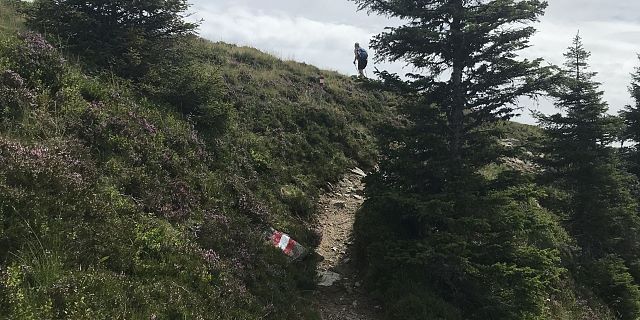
290	247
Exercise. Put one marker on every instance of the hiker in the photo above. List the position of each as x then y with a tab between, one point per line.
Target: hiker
361	57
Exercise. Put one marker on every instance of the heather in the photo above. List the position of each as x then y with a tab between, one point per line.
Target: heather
124	198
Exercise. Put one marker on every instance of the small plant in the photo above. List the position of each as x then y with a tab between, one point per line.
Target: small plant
35	271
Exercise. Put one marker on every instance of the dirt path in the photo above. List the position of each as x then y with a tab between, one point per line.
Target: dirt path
340	295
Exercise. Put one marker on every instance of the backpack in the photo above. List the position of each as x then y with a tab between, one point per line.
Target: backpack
362	54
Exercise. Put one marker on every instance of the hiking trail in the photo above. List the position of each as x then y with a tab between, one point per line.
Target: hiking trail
340	294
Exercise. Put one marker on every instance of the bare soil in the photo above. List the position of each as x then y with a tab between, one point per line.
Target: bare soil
345	299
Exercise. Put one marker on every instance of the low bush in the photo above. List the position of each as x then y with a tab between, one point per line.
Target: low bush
37	61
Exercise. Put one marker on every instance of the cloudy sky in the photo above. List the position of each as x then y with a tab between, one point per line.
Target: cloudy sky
322	33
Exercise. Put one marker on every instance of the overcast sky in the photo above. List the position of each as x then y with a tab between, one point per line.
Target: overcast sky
322	33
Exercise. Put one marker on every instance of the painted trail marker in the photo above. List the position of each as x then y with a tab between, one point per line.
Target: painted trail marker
289	247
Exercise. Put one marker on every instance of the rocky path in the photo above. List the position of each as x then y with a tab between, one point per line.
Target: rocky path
340	295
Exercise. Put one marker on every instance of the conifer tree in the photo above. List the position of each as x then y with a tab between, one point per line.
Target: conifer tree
466	52
602	213
631	117
127	37
438	236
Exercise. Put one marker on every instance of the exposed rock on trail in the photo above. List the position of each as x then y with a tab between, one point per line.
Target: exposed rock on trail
340	295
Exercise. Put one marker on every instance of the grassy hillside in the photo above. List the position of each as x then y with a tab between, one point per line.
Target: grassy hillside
119	201
9	20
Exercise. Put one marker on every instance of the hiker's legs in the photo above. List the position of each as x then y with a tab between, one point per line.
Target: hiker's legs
362	64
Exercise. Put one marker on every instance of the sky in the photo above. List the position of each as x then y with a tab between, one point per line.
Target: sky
323	32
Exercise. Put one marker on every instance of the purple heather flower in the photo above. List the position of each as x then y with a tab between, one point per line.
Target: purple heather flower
11	79
210	256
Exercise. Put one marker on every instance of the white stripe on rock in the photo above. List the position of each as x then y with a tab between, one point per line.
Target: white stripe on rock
284	241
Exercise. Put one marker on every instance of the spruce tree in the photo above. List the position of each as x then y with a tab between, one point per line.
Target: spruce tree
602	213
123	36
631	117
441	239
466	55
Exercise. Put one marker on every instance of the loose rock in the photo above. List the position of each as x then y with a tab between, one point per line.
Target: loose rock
328	278
359	172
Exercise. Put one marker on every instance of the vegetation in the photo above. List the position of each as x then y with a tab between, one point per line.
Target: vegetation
119	200
440	238
631	129
10	21
127	37
141	166
450	230
595	194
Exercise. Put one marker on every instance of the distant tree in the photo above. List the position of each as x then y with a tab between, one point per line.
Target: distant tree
127	37
602	212
442	238
631	117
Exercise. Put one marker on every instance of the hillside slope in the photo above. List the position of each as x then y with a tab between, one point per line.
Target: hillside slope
121	202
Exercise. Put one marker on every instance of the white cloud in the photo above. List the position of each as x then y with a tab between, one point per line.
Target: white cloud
613	54
324	44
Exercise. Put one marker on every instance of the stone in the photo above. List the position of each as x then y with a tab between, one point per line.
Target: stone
359	172
358	197
328	278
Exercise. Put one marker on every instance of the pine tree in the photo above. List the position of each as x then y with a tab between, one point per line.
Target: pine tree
631	117
123	36
602	213
466	52
440	238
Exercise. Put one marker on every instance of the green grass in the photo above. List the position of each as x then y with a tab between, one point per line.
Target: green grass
9	21
298	133
519	131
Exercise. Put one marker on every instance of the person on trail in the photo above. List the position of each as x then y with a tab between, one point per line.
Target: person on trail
361	57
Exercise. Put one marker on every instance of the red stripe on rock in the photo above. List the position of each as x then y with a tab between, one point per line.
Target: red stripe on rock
292	243
275	238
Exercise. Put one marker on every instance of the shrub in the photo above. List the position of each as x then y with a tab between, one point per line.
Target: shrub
420	304
15	98
36	60
195	90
